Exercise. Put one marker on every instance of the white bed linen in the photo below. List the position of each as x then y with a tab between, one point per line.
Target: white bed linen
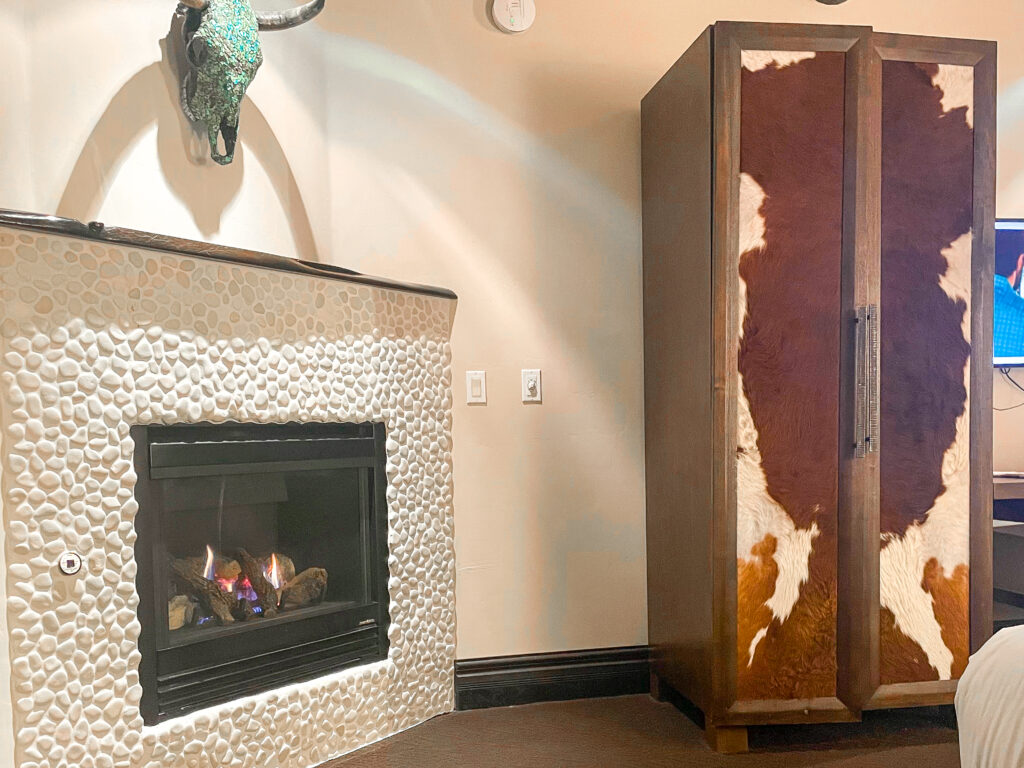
990	704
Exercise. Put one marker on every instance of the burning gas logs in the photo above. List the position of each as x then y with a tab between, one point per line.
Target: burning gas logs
180	612
208	593
279	569
217	567
221	590
265	591
243	610
308	588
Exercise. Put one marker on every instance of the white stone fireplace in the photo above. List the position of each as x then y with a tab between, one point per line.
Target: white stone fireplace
105	330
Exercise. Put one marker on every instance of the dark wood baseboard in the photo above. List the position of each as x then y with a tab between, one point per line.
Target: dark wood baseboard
501	681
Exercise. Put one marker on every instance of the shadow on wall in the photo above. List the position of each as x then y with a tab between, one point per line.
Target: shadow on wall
437	185
205	188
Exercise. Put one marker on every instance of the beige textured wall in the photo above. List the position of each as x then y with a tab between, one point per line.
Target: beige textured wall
411	139
1008	425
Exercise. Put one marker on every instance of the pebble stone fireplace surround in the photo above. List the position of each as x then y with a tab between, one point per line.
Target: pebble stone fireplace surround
103	329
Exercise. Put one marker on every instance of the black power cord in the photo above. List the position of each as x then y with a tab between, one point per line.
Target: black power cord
1006	375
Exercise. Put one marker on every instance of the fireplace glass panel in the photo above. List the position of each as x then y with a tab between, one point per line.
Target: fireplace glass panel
306	530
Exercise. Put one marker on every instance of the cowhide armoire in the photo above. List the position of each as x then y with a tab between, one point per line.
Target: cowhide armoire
818	259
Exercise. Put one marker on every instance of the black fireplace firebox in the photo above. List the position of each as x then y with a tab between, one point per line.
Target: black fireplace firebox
262	557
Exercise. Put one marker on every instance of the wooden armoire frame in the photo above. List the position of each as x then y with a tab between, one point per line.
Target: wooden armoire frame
695	332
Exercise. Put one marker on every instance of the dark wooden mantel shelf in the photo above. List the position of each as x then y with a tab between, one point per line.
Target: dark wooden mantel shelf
96	230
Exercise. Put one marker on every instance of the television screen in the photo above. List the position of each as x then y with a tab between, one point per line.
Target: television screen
1008	303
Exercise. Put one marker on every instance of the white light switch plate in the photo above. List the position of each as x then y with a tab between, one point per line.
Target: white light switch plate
476	387
531	386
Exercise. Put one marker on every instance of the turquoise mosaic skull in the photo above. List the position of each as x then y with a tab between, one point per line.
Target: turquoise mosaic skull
223	53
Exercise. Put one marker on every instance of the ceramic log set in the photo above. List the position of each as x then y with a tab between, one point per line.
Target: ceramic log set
223	53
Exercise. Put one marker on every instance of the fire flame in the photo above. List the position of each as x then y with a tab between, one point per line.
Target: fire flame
273	572
240	586
210	571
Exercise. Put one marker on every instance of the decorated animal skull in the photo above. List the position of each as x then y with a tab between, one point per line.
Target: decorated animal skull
222	53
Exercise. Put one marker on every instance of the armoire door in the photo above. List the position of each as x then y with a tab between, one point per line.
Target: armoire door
781	106
935	179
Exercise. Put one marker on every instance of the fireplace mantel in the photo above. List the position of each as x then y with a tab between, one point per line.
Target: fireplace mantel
104	330
134	238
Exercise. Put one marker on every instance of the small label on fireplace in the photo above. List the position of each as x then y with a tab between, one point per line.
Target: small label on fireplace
364	622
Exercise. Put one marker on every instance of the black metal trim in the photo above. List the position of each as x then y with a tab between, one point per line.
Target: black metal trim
500	681
193	672
226	453
253	467
379	577
96	230
331	617
145	578
183	693
196	450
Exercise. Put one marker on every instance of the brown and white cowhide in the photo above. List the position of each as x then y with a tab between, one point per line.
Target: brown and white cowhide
927	201
791	200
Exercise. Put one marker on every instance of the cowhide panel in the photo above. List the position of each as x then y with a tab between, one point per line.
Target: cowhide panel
927	201
791	199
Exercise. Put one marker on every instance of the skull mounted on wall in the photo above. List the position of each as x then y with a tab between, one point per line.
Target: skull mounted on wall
222	53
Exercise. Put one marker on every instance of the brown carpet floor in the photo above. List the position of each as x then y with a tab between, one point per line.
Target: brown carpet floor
638	731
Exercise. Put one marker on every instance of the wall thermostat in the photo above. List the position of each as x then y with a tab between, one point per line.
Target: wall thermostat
513	15
70	563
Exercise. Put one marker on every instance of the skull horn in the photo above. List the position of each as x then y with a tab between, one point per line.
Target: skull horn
199	5
293	17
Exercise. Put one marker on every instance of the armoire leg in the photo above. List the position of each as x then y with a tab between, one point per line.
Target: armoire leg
726	739
657	688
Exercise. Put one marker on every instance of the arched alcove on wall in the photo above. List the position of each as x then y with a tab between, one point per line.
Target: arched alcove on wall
205	190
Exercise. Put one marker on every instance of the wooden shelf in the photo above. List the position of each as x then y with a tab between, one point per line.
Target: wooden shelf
1006	615
1008	487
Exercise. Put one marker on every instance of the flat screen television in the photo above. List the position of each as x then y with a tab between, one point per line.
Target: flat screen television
1007	299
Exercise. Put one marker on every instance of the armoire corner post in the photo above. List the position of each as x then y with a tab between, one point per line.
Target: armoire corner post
785	497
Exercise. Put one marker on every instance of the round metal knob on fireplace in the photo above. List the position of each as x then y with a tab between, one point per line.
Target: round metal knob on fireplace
70	563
